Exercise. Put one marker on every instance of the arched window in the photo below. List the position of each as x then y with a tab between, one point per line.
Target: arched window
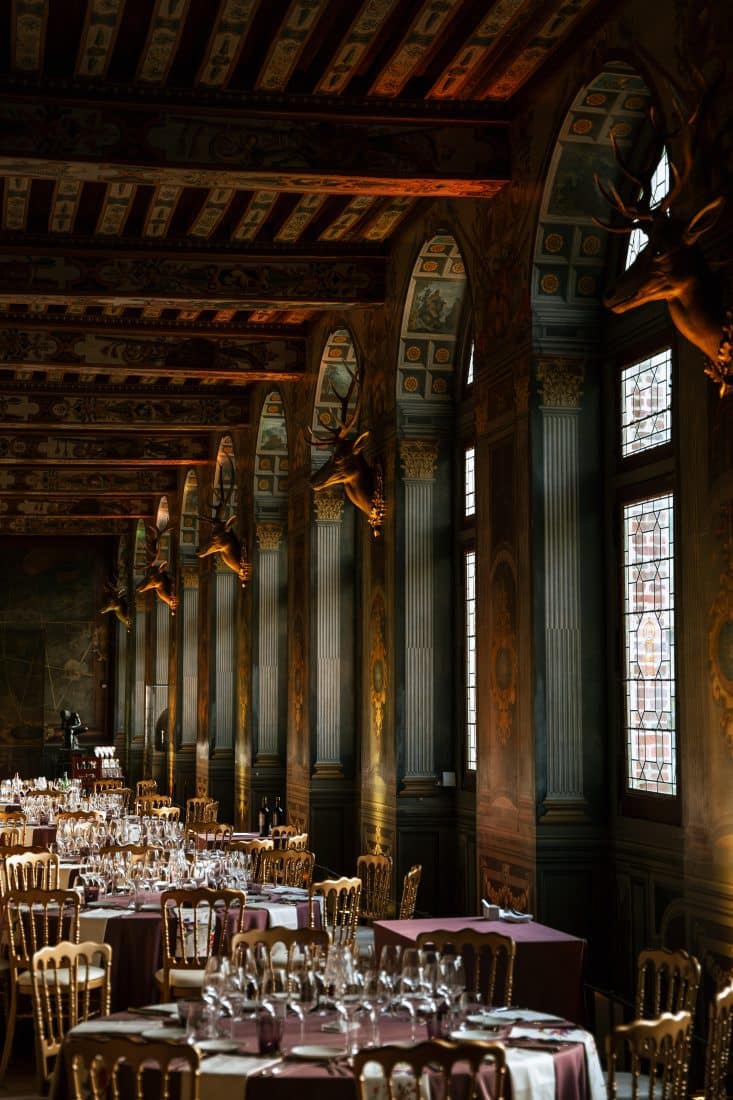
658	188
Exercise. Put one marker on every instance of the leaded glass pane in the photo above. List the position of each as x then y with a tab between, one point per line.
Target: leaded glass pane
646	404
469	481
470	669
469	369
649	645
659	188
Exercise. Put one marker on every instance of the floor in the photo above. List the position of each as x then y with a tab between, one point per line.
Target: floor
20	1080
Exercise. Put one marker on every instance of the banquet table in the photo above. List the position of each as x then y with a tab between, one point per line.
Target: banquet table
548	970
558	1063
135	937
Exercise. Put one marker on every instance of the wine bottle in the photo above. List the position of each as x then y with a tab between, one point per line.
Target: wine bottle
278	813
263	815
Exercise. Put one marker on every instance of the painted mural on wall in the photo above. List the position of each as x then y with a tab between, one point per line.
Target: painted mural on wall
50	641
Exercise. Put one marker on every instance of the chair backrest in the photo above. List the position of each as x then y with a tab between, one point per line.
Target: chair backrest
97	1068
145	786
197	923
201	809
410	886
341	908
286	867
658	1049
101	786
254	849
209	834
375	872
667	981
281	834
439	1058
78	815
717	1046
492	954
12	818
136	853
32	871
39	918
67	989
10	836
144	803
315	938
166	813
298	841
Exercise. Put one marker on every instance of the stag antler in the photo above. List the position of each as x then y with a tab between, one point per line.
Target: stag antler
117	601
224	541
157	579
347	420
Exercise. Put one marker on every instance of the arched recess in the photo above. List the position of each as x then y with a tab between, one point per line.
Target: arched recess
224	645
185	726
571	332
333	602
269	649
431	342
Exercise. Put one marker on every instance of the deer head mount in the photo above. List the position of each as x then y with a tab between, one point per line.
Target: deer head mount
347	466
157	579
224	539
671	267
116	601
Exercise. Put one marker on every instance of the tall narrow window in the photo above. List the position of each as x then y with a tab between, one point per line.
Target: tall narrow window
658	188
469	672
646	403
469	368
649	644
469	482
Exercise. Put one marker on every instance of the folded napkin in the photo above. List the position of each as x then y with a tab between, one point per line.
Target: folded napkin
103	1026
532	1074
285	916
513	916
500	1016
226	1074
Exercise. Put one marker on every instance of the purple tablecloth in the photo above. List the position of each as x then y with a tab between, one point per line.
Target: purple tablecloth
548	970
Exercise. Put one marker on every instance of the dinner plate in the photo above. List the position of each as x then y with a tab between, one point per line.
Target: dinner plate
164	1033
217	1046
317	1051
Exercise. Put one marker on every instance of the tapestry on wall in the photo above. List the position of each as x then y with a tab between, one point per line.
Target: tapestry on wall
22	658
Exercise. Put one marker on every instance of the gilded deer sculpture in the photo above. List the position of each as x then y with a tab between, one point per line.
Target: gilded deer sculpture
347	465
224	539
157	578
671	267
116	602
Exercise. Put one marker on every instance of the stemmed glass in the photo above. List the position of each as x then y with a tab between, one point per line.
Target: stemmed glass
302	987
216	975
413	985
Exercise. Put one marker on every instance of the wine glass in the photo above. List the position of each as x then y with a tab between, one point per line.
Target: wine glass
216	974
303	991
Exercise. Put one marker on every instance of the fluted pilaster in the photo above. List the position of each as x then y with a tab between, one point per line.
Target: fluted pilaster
226	586
189	653
329	508
269	540
418	459
561	383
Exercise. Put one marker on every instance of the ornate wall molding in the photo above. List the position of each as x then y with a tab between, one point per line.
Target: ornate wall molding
720	636
189	576
560	382
419	458
269	536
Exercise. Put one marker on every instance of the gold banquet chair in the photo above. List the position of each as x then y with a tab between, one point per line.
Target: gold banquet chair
10	836
65	816
286	867
410	885
100	1068
201	809
33	919
195	923
32	871
209	835
281	835
144	803
341	905
166	813
145	786
489	950
666	981
375	872
298	841
437	1058
270	938
70	983
254	849
657	1052
717	1046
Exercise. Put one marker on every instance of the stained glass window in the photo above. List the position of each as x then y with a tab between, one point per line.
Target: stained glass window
646	403
469	576
469	482
659	187
649	673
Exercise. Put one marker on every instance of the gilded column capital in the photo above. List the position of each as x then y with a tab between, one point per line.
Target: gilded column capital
419	457
561	382
141	602
269	536
190	576
329	505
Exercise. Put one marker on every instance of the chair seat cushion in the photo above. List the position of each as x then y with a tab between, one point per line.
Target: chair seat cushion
61	975
181	979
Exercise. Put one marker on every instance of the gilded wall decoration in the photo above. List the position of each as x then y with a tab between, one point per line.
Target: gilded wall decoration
503	662
328	505
419	457
560	382
720	637
378	679
269	536
298	682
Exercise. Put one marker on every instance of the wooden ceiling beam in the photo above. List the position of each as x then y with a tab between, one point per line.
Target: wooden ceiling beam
110	276
19	318
169	145
122	481
120	410
142	507
149	449
64	526
116	354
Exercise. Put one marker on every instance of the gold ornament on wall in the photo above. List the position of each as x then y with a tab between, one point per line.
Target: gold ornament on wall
720	636
378	669
503	667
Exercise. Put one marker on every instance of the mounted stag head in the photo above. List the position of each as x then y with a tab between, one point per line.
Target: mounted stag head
347	465
116	601
671	267
224	540
157	579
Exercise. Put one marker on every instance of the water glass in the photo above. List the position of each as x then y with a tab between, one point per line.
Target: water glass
270	1026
